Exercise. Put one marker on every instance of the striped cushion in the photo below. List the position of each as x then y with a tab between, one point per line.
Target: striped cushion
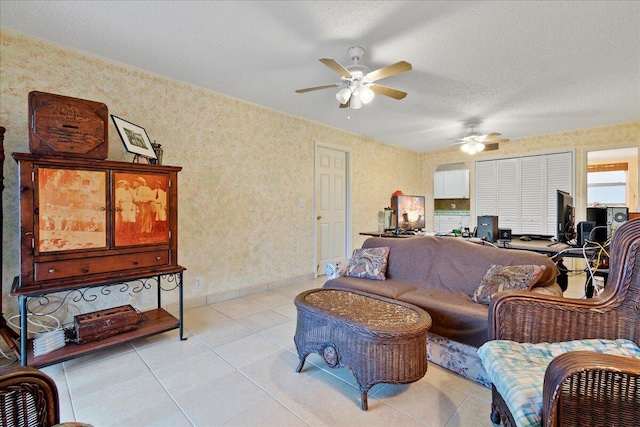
517	370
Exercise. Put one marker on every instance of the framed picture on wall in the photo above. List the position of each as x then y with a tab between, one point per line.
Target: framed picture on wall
134	137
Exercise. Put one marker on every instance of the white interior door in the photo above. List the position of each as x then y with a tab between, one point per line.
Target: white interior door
331	206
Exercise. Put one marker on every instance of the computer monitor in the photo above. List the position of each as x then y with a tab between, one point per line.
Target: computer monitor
409	212
565	217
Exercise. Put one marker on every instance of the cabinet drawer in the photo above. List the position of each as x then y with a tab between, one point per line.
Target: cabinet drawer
94	265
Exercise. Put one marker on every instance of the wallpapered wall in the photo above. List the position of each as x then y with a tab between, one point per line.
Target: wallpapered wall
245	167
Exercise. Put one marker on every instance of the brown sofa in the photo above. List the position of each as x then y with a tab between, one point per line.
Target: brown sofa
440	274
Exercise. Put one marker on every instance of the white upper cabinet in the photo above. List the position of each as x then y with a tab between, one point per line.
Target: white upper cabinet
453	184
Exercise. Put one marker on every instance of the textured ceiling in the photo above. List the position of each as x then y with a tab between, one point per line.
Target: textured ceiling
521	68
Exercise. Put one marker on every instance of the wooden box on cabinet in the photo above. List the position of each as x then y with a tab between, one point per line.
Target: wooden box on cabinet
84	222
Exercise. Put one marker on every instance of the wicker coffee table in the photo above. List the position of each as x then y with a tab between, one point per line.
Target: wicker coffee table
379	339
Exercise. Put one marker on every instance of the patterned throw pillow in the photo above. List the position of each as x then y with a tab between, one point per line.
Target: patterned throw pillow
511	277
370	263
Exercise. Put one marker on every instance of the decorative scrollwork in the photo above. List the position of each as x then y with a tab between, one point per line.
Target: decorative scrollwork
173	279
47	305
143	284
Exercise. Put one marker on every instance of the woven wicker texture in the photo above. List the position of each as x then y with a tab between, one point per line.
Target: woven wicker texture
366	310
592	389
378	339
28	397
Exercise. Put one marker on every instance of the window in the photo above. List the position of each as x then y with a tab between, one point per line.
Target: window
607	184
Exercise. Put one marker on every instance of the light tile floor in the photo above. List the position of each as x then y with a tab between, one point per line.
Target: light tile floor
237	368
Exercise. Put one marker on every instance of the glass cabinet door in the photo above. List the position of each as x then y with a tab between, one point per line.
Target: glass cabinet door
140	205
71	209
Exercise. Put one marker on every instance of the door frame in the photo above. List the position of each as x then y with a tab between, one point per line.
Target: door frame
347	202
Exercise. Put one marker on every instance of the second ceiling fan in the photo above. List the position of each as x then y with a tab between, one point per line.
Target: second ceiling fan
474	141
358	81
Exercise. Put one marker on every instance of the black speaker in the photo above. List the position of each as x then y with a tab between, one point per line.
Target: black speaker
584	232
487	228
599	216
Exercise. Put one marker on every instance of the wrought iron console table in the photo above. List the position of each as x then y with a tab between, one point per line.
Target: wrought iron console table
159	320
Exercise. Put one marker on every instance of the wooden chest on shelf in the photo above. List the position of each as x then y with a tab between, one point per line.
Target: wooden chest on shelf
106	323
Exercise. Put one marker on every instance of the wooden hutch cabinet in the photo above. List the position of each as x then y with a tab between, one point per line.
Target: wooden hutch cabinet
91	223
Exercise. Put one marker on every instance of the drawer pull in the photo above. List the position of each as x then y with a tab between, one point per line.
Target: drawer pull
158	258
117	209
52	270
135	262
102	209
85	270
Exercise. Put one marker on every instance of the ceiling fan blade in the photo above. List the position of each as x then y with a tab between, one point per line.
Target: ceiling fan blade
388	71
335	66
309	89
491	137
387	91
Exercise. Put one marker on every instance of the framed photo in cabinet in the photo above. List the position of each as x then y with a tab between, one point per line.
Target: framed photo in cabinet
71	207
140	201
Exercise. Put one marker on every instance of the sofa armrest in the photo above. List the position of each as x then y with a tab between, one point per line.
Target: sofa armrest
587	388
531	317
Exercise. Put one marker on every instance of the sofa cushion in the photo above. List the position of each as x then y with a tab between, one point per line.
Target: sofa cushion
506	278
453	314
517	370
389	288
369	263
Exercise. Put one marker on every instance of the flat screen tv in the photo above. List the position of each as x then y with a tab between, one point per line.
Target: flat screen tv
409	212
565	218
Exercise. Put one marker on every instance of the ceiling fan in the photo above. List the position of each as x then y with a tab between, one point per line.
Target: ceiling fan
474	141
357	80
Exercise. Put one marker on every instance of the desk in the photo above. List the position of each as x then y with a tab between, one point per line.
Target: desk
387	234
558	251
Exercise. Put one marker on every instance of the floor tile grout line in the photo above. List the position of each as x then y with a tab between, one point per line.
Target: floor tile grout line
165	388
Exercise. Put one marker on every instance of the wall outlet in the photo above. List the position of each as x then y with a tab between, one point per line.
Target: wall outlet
453	205
301	203
198	283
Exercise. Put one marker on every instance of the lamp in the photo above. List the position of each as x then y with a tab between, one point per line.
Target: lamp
344	94
472	146
356	94
366	94
355	103
472	140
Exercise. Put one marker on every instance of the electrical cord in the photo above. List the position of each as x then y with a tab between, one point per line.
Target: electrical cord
592	267
44	327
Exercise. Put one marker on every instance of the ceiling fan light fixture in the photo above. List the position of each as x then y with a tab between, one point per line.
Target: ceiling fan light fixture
472	147
354	91
343	95
365	94
355	103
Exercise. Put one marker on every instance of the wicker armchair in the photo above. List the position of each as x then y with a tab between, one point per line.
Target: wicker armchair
28	397
581	388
